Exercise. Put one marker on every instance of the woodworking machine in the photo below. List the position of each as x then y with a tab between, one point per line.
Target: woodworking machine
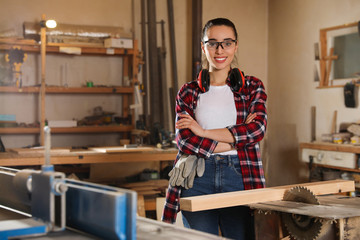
46	205
54	202
304	216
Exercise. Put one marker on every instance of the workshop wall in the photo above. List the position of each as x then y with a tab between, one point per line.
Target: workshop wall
293	30
76	70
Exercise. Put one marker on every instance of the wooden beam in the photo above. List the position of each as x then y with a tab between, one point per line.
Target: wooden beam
231	199
354	24
323	55
43	82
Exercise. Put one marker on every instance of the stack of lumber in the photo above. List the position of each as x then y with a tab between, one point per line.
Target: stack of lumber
148	191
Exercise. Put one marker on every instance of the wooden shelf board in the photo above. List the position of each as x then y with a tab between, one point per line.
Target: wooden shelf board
93	129
335	86
331	147
13	89
55	48
81	129
19	130
89	90
55	89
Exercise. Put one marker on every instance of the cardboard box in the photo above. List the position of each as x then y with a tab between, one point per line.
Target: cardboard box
118	43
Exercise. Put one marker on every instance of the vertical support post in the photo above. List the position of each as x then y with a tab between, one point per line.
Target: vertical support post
43	83
172	44
155	107
126	82
162	72
134	76
313	124
144	66
174	89
196	33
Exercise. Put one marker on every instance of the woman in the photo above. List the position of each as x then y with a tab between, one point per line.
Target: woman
221	117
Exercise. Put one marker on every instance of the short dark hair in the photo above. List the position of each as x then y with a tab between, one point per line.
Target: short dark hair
218	22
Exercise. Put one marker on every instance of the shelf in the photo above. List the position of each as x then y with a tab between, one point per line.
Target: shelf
335	86
19	130
93	129
331	147
130	70
55	89
55	48
81	129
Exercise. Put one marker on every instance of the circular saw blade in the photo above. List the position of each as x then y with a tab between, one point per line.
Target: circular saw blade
301	227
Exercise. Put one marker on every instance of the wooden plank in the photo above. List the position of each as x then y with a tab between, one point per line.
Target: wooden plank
231	199
92	90
39	150
150	204
333	123
80	129
354	24
313	123
141	206
19	130
323	55
93	129
329	64
58	89
117	149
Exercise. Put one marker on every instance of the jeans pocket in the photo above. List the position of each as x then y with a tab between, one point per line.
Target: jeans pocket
236	166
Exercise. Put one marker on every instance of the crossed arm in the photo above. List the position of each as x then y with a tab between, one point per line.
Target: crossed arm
222	135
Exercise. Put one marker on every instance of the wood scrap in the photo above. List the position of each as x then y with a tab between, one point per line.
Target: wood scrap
141	206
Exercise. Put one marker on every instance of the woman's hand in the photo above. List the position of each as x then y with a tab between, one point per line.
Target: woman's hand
250	118
187	121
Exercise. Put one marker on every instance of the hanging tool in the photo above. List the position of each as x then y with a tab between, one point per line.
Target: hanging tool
16	57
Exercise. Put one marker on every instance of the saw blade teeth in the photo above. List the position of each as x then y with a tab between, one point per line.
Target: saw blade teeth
299	226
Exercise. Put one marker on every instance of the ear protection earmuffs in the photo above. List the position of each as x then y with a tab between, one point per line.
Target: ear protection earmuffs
236	77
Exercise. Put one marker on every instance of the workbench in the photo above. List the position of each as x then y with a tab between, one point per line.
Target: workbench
331	160
10	158
331	147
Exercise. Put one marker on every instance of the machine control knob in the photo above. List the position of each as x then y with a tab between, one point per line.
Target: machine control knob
320	156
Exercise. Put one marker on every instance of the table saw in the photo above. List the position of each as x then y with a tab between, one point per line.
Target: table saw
45	205
304	216
314	210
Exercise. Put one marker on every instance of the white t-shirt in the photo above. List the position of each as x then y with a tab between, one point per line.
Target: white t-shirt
216	109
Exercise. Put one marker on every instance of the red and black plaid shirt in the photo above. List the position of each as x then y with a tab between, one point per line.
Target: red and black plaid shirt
251	99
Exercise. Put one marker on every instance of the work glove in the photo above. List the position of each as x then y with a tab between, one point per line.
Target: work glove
185	170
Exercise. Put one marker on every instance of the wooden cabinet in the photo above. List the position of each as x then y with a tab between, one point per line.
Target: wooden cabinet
332	158
130	65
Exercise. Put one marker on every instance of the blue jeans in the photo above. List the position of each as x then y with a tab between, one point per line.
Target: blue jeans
222	174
